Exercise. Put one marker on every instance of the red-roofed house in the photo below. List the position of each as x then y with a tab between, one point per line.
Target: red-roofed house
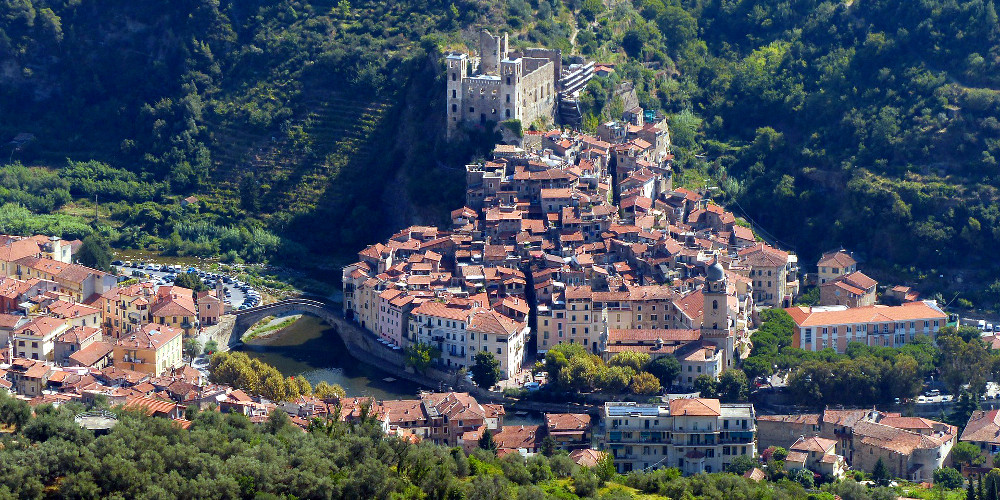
153	349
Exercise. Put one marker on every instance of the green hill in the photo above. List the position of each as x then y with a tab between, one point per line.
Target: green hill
867	123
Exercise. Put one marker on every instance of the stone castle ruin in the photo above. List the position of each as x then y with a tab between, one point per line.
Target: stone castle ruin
501	84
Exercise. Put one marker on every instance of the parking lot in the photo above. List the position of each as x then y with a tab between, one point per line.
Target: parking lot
240	294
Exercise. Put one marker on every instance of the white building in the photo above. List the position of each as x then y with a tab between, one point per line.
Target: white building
693	435
501	336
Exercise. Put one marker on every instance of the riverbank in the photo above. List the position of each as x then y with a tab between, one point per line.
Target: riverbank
312	349
271	327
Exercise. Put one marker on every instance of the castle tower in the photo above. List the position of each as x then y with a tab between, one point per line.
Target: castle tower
492	49
458	70
510	84
715	325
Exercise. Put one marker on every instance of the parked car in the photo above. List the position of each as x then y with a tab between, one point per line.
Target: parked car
116	263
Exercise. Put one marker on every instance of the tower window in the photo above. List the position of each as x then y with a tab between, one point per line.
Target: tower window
715	304
454	77
454	108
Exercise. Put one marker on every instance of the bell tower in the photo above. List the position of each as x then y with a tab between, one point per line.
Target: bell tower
715	324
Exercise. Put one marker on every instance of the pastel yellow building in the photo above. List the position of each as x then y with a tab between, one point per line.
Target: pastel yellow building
153	349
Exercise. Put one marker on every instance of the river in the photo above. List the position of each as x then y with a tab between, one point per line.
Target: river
312	349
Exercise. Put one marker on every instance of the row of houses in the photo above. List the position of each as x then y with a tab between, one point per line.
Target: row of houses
910	447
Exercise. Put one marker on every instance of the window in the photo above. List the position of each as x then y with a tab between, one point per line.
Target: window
809	335
715	304
454	77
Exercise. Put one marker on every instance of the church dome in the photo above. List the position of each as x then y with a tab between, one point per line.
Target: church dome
715	272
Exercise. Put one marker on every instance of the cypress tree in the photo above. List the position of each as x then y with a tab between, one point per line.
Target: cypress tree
881	473
970	491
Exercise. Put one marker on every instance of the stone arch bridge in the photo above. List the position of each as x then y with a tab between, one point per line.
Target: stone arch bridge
360	343
248	317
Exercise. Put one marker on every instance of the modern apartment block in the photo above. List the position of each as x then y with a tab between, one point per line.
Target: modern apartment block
693	435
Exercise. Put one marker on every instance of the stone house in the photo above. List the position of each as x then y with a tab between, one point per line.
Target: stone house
774	274
833	265
852	290
817	455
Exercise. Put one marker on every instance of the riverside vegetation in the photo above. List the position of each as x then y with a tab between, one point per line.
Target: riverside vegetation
881	117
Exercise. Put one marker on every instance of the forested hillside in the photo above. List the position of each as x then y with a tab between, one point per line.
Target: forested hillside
868	123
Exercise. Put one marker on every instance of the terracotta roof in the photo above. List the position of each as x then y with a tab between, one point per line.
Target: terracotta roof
14	249
587	457
763	255
150	406
567	421
9	321
755	474
983	426
495	323
900	441
695	407
89	355
78	334
439	310
41	326
859	279
836	258
908	423
516	437
814	443
805	316
150	336
805	418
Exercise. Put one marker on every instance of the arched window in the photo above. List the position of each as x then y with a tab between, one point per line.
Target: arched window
715	326
715	304
454	77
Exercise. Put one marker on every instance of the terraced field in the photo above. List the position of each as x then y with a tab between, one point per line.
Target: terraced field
296	165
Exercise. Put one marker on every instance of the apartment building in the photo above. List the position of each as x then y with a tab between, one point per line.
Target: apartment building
36	338
835	326
126	309
774	274
152	349
568	318
501	336
445	327
694	435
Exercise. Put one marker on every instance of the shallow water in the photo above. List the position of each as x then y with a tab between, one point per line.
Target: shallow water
311	348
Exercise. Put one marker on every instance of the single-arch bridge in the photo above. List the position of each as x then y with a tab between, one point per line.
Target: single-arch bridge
250	316
361	344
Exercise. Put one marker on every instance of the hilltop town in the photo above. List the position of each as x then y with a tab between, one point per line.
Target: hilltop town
570	239
578	280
